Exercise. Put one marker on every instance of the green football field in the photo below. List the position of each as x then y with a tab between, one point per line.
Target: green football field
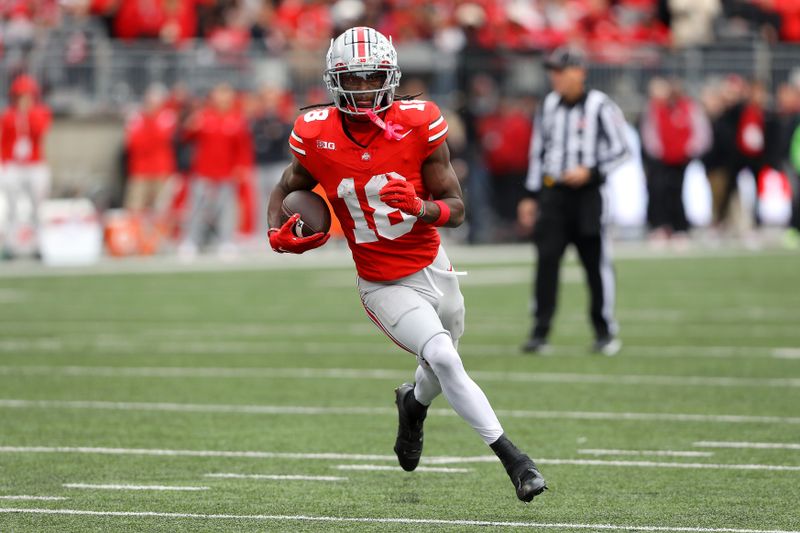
262	400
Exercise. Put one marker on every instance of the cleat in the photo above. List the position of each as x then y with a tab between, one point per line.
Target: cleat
408	445
526	478
608	346
536	345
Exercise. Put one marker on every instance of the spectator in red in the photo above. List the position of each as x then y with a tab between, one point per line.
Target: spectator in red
270	124
505	136
306	23
25	174
674	131
220	135
171	21
151	158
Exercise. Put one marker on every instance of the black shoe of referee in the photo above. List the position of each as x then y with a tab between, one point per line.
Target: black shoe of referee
411	414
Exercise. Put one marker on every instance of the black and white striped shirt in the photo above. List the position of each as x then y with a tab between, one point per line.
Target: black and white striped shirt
589	133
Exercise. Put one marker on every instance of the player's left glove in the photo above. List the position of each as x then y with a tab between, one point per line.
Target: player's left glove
401	195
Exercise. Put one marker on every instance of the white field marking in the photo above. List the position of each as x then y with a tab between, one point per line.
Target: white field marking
340	257
748	445
131	487
24	497
786	353
276	477
357	457
389	374
387	468
390	520
12	295
659	464
196	453
129	344
655	453
311	410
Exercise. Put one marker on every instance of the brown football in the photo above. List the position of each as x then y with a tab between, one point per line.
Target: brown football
315	217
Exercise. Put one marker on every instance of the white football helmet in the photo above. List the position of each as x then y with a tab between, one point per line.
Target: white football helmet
367	54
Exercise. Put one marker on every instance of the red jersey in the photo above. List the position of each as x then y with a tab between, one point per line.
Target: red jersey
220	139
22	134
149	140
386	243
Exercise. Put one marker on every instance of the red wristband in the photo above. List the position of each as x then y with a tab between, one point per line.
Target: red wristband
444	213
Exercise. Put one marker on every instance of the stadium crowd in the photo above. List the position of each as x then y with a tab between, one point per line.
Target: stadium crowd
224	147
599	25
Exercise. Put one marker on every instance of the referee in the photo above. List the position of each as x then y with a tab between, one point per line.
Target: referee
578	138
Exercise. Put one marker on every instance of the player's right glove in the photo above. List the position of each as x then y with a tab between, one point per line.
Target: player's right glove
284	240
401	195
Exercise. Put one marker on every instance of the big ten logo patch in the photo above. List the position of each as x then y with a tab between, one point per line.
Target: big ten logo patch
326	145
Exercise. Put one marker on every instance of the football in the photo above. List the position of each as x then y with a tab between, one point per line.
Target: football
315	217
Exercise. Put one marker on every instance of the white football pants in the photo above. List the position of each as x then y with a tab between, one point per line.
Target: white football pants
424	314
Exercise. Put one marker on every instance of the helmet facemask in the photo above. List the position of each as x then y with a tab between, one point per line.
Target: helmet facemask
362	72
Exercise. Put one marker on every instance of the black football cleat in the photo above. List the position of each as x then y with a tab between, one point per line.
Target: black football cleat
526	479
408	445
536	345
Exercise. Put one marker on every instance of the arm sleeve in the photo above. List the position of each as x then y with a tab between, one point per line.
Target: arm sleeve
533	183
612	125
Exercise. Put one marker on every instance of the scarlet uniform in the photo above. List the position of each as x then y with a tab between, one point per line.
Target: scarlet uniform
220	137
149	139
23	135
386	244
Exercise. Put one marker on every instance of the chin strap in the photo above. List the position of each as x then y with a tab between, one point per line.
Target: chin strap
390	130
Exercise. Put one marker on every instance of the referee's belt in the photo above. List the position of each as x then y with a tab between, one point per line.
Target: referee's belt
549	181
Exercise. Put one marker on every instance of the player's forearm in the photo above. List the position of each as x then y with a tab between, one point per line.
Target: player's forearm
433	212
276	200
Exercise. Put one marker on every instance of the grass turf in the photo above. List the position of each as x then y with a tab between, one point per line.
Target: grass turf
694	317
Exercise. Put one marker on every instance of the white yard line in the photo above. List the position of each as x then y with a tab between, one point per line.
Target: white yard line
43	498
658	464
361	457
381	411
389	520
387	468
748	445
786	353
196	453
336	256
275	477
390	374
169	344
131	487
656	453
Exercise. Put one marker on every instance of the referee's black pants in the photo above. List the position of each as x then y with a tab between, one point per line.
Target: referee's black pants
573	216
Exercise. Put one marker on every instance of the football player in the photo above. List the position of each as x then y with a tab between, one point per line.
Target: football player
385	168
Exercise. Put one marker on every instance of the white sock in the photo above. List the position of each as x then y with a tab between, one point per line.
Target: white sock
463	394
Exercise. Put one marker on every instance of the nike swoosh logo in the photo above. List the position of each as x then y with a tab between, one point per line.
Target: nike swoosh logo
403	136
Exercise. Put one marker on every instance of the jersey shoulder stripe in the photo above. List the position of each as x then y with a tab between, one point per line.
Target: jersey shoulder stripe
437	129
296	144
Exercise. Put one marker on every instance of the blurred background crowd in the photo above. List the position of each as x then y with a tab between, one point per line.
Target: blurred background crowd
136	106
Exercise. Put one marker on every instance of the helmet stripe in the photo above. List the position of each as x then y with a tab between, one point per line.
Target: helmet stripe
362	49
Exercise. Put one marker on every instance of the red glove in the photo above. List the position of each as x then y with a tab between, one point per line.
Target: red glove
401	195
284	240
